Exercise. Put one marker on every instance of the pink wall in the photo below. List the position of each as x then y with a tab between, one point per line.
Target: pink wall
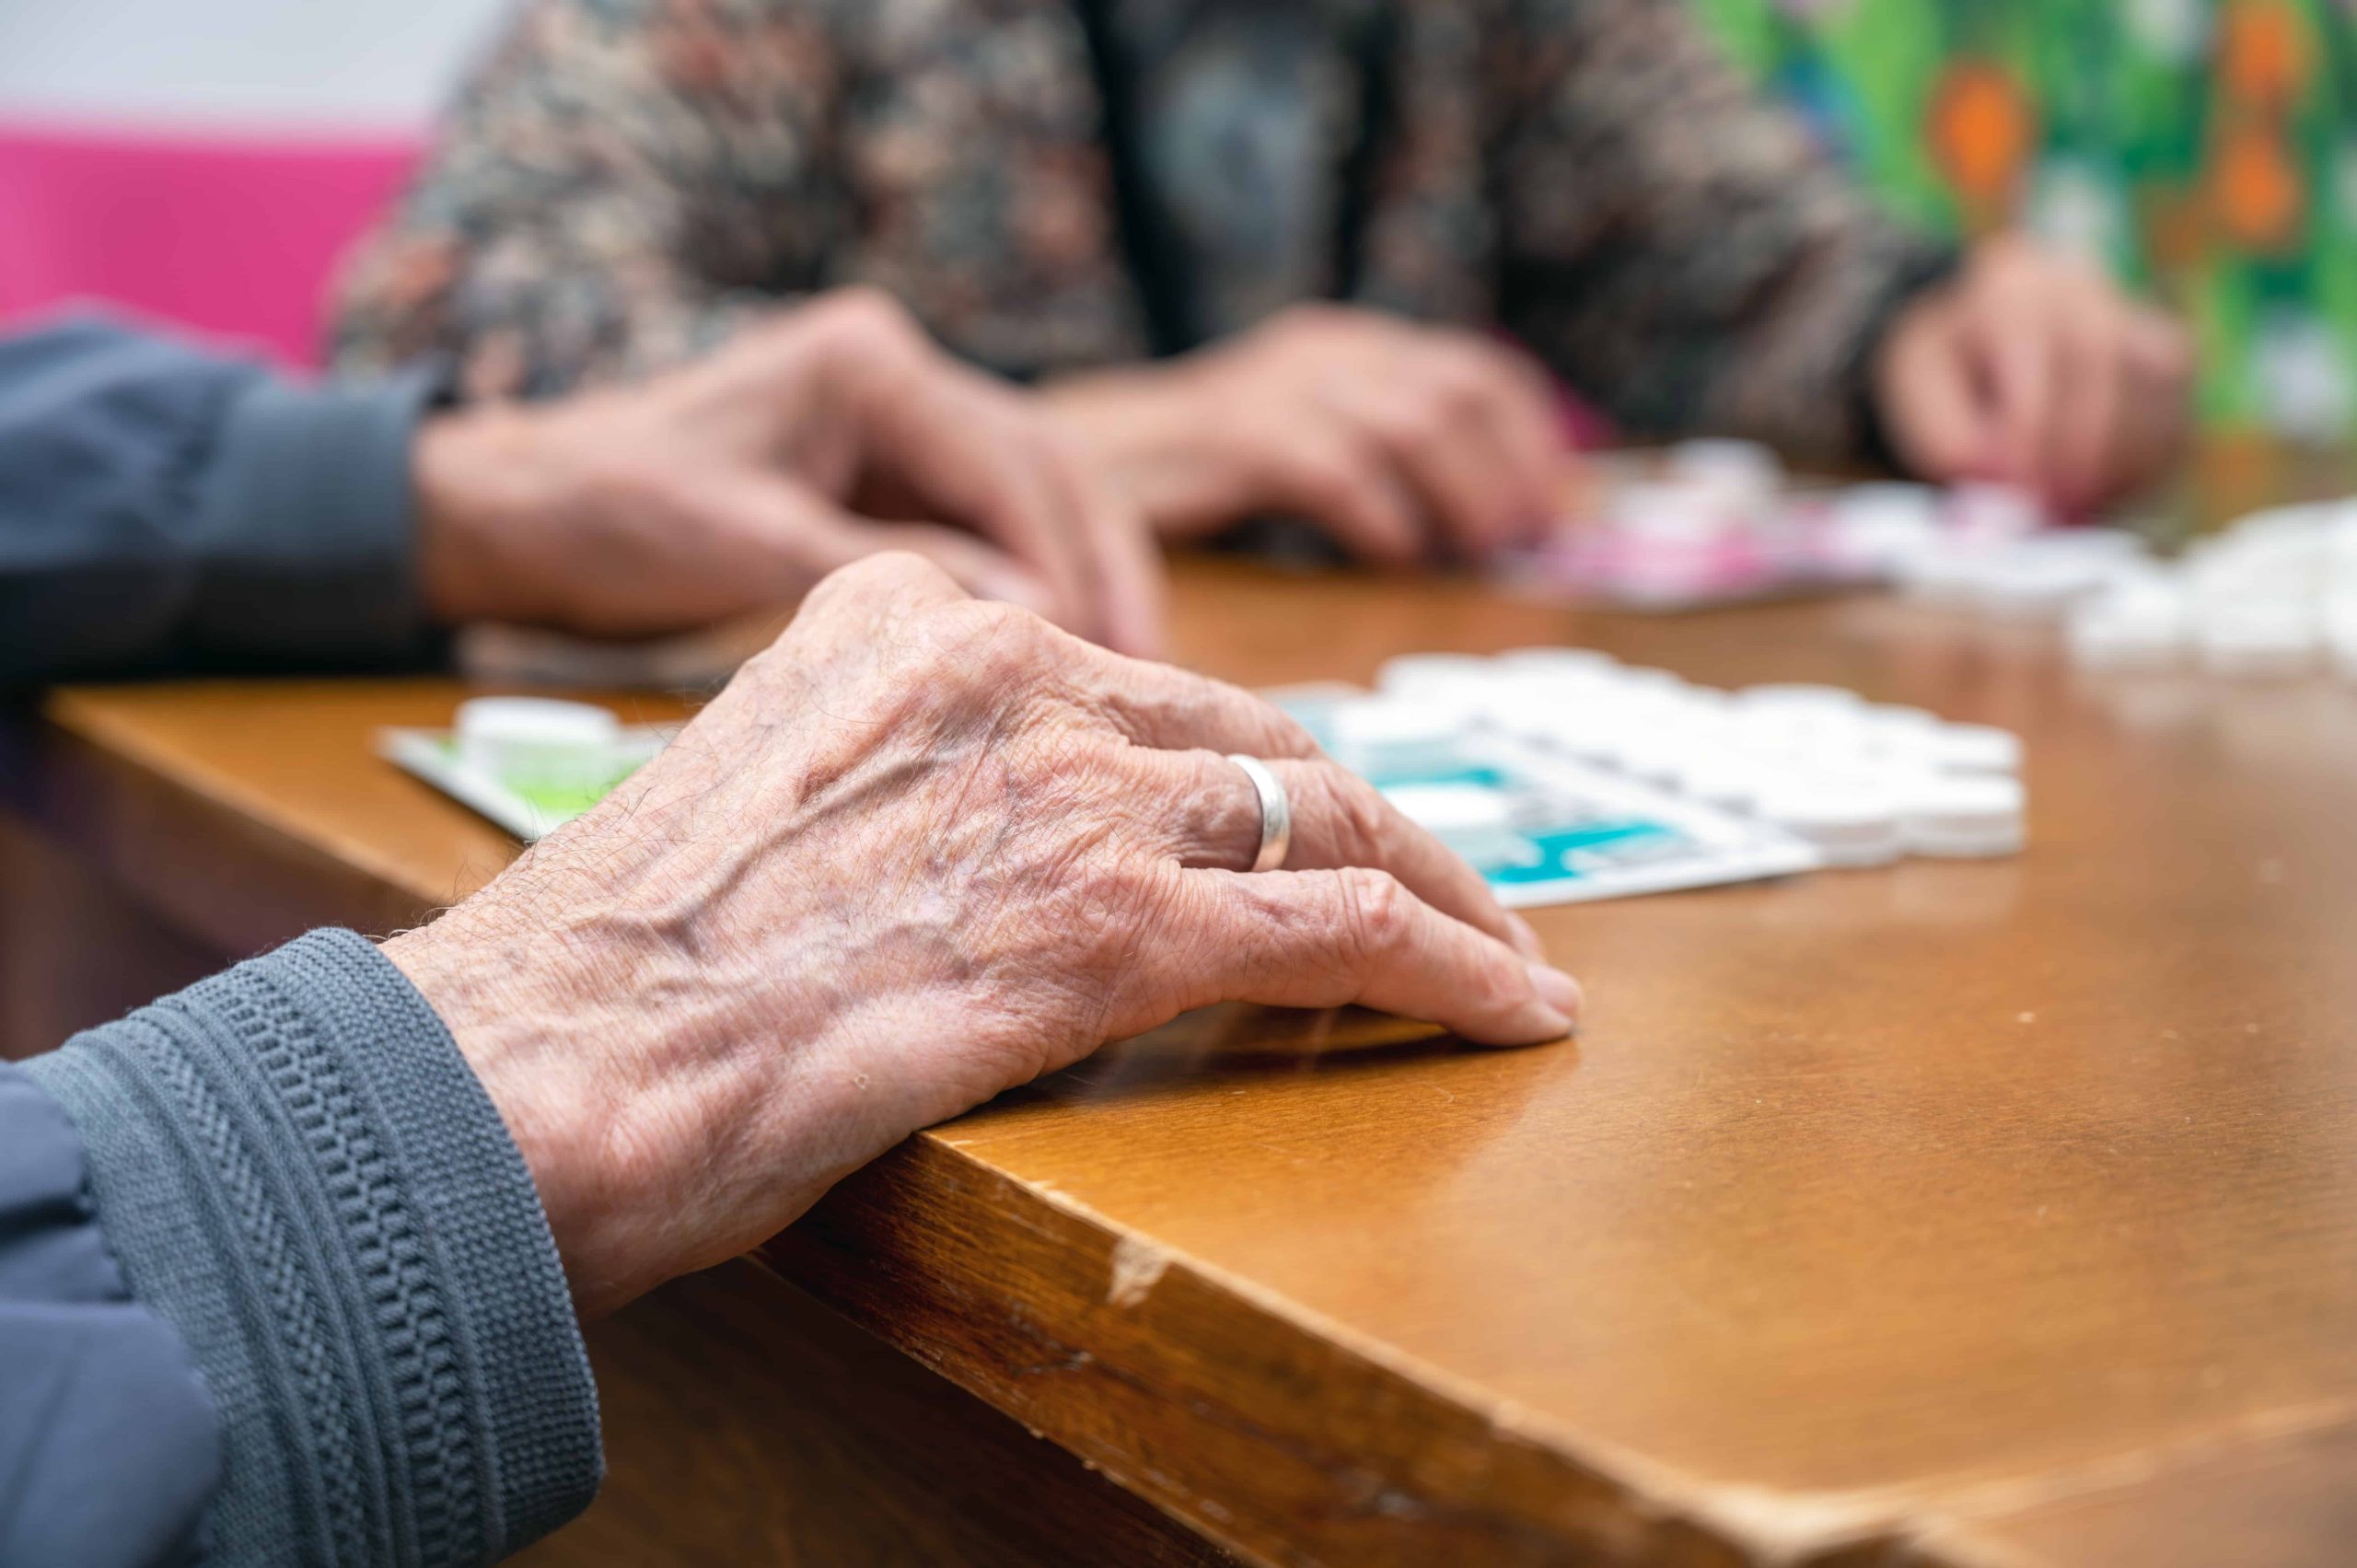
232	234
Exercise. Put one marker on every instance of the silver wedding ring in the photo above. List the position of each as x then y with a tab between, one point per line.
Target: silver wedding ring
1276	813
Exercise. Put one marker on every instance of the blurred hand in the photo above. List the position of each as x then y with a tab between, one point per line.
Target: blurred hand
923	850
736	483
2033	369
1402	441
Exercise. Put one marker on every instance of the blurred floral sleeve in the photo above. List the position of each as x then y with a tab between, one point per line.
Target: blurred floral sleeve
621	184
1676	246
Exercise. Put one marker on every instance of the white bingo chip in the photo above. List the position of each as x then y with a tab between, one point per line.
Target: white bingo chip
1745	470
1388	736
1474	820
1972	749
1851	824
1897	729
2259	641
2141	627
1562	775
536	742
1574	664
1436	676
2342	631
1968	818
1799	698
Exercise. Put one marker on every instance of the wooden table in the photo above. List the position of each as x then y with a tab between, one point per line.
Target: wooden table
1973	1215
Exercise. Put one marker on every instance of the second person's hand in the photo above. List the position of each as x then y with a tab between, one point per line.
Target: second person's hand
1402	441
731	485
2033	369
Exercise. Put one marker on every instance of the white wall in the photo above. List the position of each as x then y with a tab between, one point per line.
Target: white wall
365	66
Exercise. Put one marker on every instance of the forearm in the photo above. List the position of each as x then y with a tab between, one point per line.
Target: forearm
1678	248
296	1168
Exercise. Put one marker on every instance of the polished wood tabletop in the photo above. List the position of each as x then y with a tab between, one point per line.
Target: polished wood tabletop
1970	1213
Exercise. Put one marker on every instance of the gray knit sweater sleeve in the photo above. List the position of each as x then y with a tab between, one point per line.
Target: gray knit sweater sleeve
293	1164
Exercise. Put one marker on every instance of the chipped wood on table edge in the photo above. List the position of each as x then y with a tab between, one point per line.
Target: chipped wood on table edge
1145	1362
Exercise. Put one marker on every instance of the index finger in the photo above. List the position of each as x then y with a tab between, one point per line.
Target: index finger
953	450
1530	426
1125	567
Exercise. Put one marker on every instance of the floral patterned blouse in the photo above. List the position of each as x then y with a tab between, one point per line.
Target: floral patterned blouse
1056	184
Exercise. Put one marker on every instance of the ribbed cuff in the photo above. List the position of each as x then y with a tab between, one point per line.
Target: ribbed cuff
292	1162
306	533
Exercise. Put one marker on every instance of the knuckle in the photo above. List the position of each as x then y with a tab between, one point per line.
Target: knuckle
874	347
870	589
1501	986
1460	384
1410	418
1325	472
1230	815
997	645
1375	910
862	311
886	573
974	625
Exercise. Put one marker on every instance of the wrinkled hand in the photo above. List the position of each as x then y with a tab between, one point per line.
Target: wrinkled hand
921	849
832	432
2033	369
1402	441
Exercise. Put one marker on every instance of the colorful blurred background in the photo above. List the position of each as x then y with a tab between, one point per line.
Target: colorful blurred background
2205	148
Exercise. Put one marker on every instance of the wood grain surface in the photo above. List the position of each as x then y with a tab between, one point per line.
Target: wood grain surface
1966	1214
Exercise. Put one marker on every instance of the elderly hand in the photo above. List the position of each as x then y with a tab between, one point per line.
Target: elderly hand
833	432
921	849
2033	369
1402	441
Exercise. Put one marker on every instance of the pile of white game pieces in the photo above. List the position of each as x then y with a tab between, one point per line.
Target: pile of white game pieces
2272	597
1862	784
1720	522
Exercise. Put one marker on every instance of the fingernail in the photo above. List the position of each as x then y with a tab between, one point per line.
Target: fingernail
1557	989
